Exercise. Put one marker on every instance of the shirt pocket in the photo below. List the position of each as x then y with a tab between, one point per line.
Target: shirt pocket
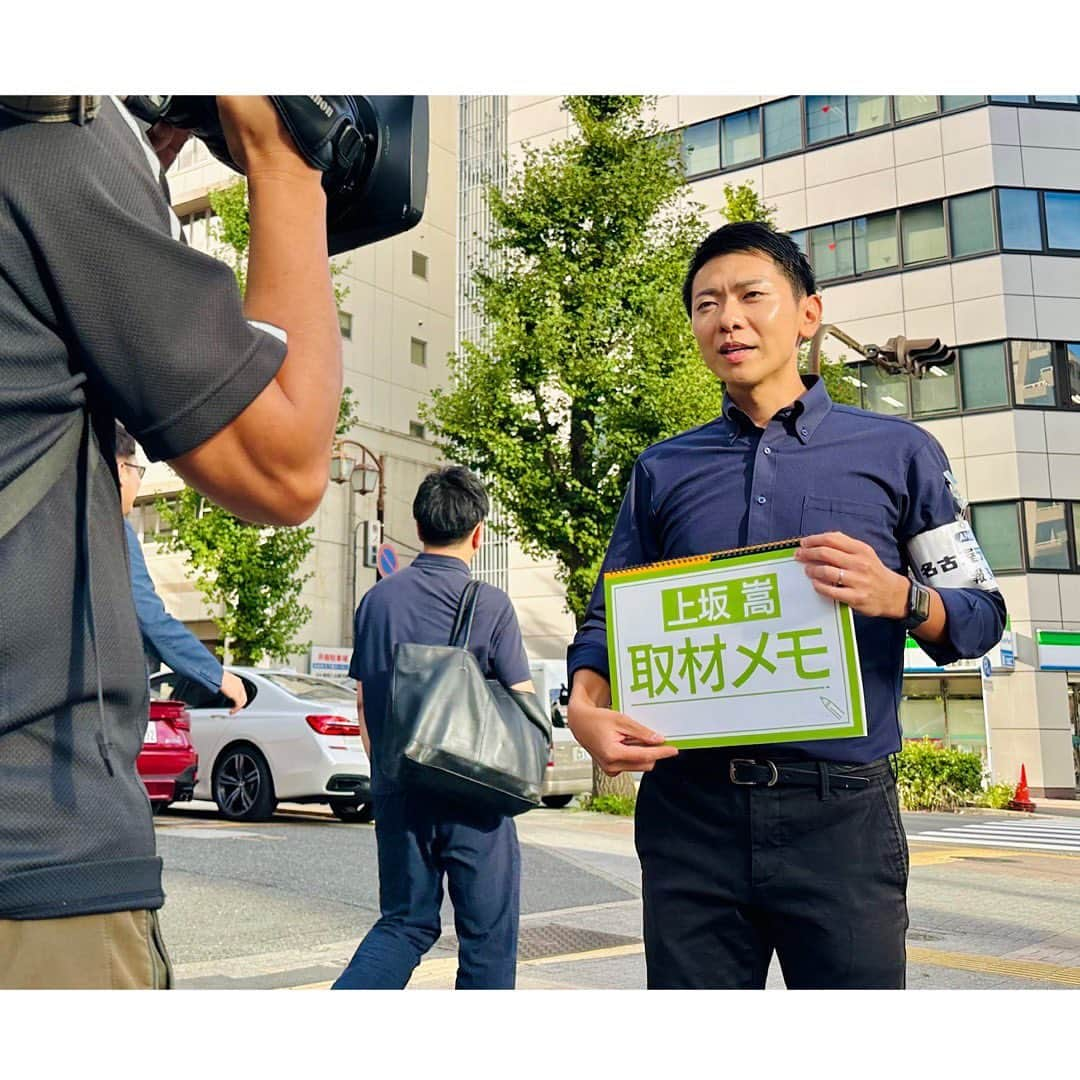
866	521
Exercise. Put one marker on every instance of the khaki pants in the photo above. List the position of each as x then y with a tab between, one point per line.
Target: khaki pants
120	950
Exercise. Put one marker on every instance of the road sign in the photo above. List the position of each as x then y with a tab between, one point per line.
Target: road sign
386	559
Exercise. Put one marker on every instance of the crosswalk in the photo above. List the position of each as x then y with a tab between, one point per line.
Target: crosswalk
1055	834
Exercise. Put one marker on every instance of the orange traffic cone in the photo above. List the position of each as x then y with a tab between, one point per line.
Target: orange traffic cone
1021	799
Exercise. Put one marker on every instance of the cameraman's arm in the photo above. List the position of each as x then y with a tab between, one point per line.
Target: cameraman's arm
271	463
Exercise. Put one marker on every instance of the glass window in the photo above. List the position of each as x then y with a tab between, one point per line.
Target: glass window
982	376
419	265
742	138
971	223
1072	362
1033	373
418	352
783	127
1018	99
922	710
884	392
867	112
416	430
1047	535
908	108
875	243
936	391
1063	219
799	239
345	324
1019	209
998	533
701	148
960	101
831	251
825	117
923	232
310	687
965	720
1054	99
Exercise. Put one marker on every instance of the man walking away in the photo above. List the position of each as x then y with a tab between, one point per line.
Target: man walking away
421	839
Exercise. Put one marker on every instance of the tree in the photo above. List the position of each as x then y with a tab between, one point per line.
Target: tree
253	572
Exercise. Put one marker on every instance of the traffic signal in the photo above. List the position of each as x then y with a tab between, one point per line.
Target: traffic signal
915	355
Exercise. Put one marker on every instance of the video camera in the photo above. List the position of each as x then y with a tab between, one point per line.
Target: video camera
372	152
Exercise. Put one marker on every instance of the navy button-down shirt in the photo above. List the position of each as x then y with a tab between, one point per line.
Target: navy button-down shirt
816	467
418	604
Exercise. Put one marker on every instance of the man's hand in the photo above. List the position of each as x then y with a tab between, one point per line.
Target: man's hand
842	568
616	743
258	141
232	687
167	141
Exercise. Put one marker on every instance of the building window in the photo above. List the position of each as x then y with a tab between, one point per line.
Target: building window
1033	373
701	148
742	138
946	711
783	127
419	265
951	102
197	227
345	324
1072	364
884	392
1063	220
798	238
936	391
914	106
416	430
998	532
831	251
1012	99
825	117
875	243
865	113
982	376
1019	208
1054	99
1047	535
971	224
418	352
922	229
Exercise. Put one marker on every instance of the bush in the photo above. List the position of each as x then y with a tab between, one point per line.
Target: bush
623	805
995	797
932	777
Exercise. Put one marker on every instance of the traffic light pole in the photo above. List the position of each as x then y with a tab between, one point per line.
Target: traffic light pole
909	355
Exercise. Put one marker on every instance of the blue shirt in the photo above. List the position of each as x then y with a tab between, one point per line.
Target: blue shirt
816	467
165	639
418	604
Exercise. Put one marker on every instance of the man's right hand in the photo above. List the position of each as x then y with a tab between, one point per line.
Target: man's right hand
232	687
257	139
616	742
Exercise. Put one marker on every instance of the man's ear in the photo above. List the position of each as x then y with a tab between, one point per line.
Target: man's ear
810	316
477	537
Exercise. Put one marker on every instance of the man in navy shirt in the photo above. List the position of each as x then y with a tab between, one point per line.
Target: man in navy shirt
794	848
420	838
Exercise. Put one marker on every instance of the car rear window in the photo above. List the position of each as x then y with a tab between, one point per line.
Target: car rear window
308	688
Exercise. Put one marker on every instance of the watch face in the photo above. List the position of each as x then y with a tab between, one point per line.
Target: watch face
920	602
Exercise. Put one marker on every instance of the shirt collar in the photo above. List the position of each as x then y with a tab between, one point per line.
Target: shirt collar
442	562
803	416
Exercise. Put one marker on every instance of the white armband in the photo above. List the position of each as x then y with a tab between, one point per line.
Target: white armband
949	557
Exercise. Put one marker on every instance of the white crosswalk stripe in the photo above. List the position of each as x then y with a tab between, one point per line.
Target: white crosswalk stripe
1057	834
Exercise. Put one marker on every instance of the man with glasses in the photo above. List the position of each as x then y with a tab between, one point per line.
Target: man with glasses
166	640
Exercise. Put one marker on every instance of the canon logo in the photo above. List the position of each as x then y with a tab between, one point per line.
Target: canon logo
324	105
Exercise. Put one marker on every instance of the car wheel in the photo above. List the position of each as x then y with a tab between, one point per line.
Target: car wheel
158	806
243	786
346	810
556	802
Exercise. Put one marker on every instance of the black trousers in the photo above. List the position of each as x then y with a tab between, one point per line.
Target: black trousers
731	874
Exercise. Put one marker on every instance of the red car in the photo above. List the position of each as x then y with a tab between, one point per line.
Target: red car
167	762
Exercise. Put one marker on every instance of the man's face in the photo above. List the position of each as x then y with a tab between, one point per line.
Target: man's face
747	319
130	476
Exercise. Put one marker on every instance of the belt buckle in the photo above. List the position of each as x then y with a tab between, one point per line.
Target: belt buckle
771	782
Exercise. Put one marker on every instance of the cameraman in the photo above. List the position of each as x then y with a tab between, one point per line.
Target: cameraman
105	313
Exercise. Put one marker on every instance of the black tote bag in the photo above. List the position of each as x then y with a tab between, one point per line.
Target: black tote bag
460	735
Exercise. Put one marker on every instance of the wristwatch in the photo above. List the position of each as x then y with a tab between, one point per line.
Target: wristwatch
918	606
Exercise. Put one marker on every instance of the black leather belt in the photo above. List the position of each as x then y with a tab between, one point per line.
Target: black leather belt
762	772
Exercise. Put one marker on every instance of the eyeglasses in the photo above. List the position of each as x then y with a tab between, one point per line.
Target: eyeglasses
139	469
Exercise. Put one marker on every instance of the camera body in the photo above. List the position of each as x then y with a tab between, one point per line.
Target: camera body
372	152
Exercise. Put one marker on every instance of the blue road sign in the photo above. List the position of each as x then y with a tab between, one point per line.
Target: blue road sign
386	559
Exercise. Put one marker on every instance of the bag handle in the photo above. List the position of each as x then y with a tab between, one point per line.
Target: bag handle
463	620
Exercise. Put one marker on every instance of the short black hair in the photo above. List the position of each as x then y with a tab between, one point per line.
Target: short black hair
753	236
449	504
125	444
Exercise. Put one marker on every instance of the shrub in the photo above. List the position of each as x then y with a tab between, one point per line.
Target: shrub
623	805
995	797
932	777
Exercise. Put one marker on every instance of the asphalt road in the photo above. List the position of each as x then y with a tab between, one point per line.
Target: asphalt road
282	904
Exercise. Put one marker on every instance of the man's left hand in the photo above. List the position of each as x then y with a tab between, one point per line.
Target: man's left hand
167	141
842	568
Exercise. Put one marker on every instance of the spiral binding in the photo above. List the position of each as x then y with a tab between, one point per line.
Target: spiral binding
716	556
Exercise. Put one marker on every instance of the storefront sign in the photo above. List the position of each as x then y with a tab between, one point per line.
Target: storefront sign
725	651
1001	657
1059	650
330	660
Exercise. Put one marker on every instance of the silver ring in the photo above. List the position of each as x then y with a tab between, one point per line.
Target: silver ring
840	579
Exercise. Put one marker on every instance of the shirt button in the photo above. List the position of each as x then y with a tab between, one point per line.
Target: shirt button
804	431
768	450
761	500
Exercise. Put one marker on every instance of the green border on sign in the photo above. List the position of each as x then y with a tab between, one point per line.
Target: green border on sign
845	625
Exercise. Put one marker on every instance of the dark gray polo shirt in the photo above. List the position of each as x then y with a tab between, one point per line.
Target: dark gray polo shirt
418	605
100	306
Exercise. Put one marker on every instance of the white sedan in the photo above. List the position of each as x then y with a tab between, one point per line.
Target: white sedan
296	740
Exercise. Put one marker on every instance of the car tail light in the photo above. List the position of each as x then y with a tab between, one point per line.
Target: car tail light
333	725
182	723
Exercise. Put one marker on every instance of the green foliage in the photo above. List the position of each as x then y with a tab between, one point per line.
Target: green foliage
621	805
932	777
588	356
252	571
743	203
348	417
994	797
